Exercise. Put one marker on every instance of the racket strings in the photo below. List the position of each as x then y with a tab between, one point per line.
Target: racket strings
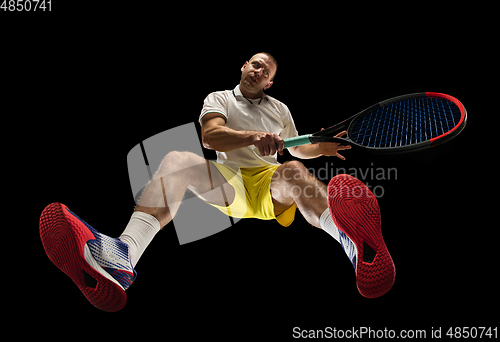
405	122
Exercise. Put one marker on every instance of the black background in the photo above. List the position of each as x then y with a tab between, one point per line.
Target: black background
89	84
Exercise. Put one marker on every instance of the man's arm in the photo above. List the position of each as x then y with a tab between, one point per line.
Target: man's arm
216	136
320	149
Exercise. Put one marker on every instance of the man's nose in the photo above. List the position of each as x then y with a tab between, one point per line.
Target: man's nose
258	72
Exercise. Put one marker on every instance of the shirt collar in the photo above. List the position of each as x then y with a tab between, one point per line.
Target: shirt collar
239	96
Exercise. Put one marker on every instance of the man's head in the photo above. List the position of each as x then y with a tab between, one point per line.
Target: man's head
257	75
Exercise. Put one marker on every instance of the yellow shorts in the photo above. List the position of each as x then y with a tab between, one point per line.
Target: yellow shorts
253	194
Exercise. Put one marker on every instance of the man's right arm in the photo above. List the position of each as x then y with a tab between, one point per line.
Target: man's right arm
216	136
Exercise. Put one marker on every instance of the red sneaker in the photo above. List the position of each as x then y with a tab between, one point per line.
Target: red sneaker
356	214
99	265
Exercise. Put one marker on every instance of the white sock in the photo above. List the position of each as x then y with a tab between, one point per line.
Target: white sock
139	232
326	222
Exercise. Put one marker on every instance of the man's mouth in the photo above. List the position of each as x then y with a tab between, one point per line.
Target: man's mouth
253	79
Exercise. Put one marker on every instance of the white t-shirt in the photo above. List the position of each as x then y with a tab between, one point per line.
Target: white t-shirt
265	114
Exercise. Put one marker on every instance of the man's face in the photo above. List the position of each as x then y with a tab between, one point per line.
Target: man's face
256	74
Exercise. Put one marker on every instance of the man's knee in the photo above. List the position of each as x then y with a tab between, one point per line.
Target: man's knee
175	161
183	158
176	157
294	170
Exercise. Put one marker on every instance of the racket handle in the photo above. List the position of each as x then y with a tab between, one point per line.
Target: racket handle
297	141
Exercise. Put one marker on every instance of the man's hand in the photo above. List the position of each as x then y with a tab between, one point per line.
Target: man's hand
331	149
266	143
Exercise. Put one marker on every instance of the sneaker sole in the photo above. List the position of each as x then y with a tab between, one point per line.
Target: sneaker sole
64	239
355	211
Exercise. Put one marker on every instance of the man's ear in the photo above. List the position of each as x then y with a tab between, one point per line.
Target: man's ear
244	65
268	85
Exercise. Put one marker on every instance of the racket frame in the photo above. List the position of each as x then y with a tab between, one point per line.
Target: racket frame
327	134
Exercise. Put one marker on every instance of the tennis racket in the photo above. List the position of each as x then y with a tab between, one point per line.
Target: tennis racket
405	123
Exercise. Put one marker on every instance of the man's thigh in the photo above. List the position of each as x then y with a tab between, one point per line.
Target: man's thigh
211	186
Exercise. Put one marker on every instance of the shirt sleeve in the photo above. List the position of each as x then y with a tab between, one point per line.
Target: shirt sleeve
214	103
289	129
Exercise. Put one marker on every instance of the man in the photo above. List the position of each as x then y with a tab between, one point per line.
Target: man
246	127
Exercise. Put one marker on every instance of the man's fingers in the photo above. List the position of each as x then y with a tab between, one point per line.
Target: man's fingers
344	147
341	134
340	156
269	144
280	144
261	149
270	147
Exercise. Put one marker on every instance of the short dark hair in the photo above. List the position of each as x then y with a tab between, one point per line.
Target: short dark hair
272	59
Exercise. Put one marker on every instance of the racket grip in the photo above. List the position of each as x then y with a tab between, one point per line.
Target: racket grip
297	141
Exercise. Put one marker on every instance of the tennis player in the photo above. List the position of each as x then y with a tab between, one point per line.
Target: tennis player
246	127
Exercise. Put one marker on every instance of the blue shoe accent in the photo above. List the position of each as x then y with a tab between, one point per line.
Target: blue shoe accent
349	248
112	255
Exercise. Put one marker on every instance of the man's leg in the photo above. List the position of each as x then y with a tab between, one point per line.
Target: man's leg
356	212
177	172
163	195
103	267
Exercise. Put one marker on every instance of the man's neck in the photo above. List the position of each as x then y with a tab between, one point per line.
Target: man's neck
250	95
